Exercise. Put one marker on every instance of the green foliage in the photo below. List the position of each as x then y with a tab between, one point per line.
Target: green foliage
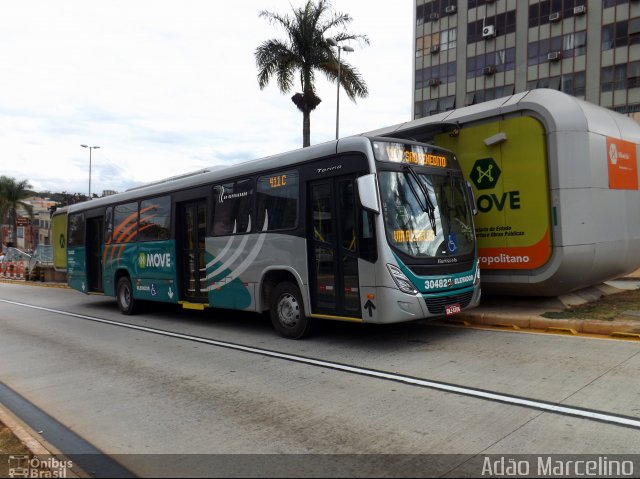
304	52
12	194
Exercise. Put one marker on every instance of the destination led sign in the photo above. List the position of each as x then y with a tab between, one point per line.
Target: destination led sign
412	154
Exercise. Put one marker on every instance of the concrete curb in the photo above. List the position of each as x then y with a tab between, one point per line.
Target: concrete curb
539	323
34	283
37	446
22	432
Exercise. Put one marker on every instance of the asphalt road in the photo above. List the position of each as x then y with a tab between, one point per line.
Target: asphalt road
149	399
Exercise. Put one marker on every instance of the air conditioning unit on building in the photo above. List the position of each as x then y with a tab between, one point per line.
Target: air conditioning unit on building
450	10
554	56
434	82
489	70
554	17
434	48
434	16
580	10
488	31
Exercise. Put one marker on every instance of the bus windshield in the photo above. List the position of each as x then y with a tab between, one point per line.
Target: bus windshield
436	226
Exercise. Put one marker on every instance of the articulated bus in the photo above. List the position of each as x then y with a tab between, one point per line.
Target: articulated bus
364	229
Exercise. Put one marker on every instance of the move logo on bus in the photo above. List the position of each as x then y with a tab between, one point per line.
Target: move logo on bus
485	174
154	260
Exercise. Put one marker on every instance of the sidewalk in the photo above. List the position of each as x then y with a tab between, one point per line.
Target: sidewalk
526	313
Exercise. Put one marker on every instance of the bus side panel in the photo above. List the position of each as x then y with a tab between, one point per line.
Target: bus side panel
118	257
235	266
76	268
154	272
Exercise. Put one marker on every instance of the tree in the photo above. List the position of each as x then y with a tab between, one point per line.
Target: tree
12	193
306	51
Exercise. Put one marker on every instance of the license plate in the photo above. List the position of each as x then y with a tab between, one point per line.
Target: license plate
452	309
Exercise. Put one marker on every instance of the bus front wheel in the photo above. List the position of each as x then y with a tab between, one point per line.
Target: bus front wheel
287	312
124	296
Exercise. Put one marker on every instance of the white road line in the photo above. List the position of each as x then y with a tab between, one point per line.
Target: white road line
426	383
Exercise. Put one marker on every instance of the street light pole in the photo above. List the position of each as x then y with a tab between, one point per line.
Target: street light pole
90	148
332	42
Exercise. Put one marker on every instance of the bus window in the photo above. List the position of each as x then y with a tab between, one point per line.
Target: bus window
348	223
126	223
76	230
368	249
232	207
155	219
278	201
108	225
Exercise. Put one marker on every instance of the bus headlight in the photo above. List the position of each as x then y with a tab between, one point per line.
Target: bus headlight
404	284
476	280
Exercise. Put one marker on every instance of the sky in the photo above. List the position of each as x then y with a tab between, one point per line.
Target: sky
168	87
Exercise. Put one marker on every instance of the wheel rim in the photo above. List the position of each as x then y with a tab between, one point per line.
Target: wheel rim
288	310
125	296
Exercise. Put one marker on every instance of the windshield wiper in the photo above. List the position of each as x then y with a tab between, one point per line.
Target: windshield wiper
428	206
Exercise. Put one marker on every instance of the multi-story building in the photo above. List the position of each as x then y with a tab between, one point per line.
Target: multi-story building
470	51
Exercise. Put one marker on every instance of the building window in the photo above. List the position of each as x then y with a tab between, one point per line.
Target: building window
539	12
477	3
574	83
430	107
443	73
448	39
470	98
613	3
613	78
444	40
433	10
633	75
621	34
570	45
501	61
503	23
447	103
634	31
438	105
488	94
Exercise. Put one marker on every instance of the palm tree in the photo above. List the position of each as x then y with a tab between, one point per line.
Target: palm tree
306	51
12	193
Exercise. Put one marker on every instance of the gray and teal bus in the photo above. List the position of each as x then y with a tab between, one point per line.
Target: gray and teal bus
363	229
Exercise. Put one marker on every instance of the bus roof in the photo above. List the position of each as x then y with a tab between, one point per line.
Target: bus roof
358	143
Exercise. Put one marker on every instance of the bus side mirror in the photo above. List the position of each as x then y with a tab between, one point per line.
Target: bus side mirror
368	192
472	199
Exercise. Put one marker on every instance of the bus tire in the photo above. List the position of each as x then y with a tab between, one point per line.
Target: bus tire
287	312
124	296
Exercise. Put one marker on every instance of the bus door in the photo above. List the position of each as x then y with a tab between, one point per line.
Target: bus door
95	235
333	252
192	228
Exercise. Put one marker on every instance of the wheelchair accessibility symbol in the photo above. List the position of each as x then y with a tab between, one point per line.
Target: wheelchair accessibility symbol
452	243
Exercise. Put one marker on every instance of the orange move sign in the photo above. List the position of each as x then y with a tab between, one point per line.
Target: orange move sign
623	164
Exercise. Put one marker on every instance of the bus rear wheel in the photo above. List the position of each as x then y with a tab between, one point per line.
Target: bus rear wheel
287	312
124	296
